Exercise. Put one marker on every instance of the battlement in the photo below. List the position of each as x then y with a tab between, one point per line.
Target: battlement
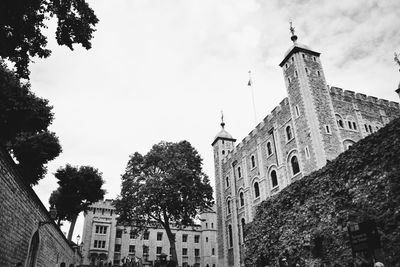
260	127
336	91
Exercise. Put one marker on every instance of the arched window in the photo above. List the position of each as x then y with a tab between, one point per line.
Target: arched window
33	249
274	179
230	236
269	148
227	181
295	165
239	172
339	121
256	190
62	264
243	225
228	206
289	133
253	161
241	197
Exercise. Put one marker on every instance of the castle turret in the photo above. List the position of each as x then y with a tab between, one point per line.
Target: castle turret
223	143
316	131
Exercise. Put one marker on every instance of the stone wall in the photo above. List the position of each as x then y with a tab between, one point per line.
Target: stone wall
308	220
22	239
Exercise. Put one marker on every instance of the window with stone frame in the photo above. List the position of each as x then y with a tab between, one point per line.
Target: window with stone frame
239	172
256	190
159	236
339	121
184	238
131	248
269	148
118	233
253	161
241	198
146	235
227	181
197	239
274	179
184	251
289	134
295	165
158	250
228	206
117	248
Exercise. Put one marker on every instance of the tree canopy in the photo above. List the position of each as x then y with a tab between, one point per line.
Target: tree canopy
24	122
78	188
167	185
21	24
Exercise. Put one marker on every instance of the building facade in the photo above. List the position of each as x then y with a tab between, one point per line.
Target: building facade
311	126
104	241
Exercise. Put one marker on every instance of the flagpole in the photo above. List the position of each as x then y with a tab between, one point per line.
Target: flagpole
250	83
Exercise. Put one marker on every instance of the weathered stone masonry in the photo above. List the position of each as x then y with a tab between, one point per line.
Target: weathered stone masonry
313	125
21	237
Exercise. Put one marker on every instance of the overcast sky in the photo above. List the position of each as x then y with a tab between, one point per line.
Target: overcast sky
163	70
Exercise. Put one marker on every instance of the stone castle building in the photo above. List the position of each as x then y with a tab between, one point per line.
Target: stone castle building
311	126
104	241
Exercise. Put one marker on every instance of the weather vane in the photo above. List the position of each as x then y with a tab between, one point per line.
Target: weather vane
222	119
396	59
294	36
291	27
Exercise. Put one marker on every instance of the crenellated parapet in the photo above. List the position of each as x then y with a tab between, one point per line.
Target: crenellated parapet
264	126
347	95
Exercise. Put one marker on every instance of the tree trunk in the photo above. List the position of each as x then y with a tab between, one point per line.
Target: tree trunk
171	239
71	228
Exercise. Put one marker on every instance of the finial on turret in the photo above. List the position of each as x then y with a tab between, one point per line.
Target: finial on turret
294	36
222	119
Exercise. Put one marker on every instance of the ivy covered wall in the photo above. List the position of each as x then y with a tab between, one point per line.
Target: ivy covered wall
307	220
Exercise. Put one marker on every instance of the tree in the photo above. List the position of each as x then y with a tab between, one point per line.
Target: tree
21	23
166	186
24	119
78	188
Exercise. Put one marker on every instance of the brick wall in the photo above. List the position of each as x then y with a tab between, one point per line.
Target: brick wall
20	214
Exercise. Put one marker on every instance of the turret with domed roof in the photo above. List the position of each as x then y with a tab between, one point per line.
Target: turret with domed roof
223	143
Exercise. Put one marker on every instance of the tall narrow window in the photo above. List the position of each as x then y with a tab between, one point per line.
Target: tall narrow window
241	197
256	190
227	181
33	249
318	73
230	236
295	165
306	70
274	179
307	152
228	206
253	161
243	225
239	172
327	129
296	109
269	149
288	133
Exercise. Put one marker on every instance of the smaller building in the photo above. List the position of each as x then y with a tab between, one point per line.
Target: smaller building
106	242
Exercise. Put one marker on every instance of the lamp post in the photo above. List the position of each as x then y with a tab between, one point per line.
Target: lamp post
53	216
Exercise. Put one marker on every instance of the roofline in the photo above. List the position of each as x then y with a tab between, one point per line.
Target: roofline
223	138
298	49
